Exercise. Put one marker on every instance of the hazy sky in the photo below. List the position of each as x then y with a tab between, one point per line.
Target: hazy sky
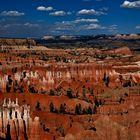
36	18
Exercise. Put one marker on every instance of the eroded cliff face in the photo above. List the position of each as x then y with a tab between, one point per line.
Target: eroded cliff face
16	44
16	123
120	51
116	118
70	94
53	76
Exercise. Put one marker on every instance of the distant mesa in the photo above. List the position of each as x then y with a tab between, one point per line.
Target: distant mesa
50	41
67	37
63	37
48	38
92	37
127	37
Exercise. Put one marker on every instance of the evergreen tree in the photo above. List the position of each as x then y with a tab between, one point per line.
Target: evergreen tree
107	81
95	109
78	109
69	93
51	92
38	106
89	110
52	109
62	109
96	102
84	91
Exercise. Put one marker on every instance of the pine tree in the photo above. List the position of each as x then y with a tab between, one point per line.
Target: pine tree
52	109
62	109
69	93
78	109
89	110
38	106
51	92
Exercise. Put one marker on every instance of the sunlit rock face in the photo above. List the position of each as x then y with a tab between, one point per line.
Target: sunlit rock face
120	51
53	75
17	120
14	44
115	108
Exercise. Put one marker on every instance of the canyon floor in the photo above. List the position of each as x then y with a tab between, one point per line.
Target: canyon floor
68	94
